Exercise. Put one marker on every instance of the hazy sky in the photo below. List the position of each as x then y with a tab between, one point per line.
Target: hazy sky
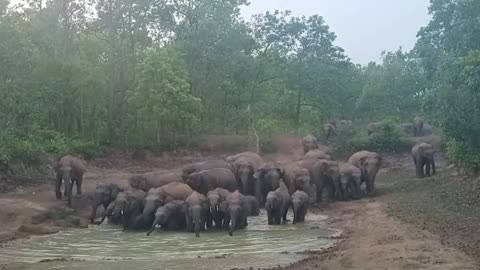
364	28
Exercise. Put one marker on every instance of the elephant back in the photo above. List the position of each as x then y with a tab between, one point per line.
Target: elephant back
174	191
250	156
204	165
316	154
150	180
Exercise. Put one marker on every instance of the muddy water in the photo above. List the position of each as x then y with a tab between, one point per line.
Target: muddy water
106	247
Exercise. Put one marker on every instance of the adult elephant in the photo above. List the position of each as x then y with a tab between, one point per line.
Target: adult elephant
324	175
268	178
330	129
235	211
204	165
244	168
369	163
170	216
207	180
309	142
69	170
128	208
297	178
417	126
423	158
104	195
196	207
150	180
157	197
350	181
215	198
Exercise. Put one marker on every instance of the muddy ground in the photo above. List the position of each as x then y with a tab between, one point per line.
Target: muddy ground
429	223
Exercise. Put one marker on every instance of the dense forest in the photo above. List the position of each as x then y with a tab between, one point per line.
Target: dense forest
84	74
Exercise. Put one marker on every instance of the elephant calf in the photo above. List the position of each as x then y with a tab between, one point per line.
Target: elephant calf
128	208
196	207
171	216
277	205
253	206
350	181
215	198
423	157
309	142
69	170
369	164
299	206
105	194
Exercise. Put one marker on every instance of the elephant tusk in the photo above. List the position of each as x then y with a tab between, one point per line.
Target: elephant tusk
121	212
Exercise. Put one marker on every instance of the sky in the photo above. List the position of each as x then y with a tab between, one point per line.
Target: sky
364	28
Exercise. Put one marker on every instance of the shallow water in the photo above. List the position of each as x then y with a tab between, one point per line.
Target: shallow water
106	247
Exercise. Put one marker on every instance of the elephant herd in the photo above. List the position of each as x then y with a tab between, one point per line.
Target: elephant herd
223	193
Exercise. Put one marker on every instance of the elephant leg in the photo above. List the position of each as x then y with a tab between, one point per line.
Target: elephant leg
319	192
284	215
419	168
78	182
58	187
94	212
226	222
433	166
270	218
189	222
427	168
209	220
68	191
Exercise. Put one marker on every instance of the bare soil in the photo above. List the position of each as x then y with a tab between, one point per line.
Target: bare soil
429	223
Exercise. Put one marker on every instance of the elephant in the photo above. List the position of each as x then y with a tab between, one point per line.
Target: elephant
204	165
423	156
253	206
244	168
249	155
297	178
417	126
309	142
104	195
196	207
128	208
299	203
70	170
267	178
316	154
157	197
235	211
330	130
215	198
170	216
324	175
369	163
277	205
350	181
207	180
150	180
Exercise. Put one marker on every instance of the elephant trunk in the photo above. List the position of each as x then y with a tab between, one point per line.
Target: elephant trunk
154	224
197	220
244	179
234	216
93	214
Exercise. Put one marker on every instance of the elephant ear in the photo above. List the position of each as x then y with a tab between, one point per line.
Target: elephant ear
259	173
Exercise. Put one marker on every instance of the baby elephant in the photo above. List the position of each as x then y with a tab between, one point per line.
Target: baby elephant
423	156
253	206
196	207
277	204
299	206
171	216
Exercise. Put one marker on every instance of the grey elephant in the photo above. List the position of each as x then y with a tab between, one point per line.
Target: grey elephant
204	165
250	155
300	201
235	211
157	197
215	198
170	216
196	208
277	205
244	168
127	207
207	180
325	176
309	142
150	180
350	180
369	163
105	194
253	206
316	154
330	130
69	170
417	126
296	177
423	158
268	178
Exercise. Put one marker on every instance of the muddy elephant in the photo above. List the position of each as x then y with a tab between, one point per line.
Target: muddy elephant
207	180
105	194
250	155
268	178
150	180
127	207
244	168
300	201
316	154
350	181
369	164
196	208
253	206
235	211
69	170
423	158
170	216
297	178
417	126
157	197
204	165
215	198
329	130
309	142
277	205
